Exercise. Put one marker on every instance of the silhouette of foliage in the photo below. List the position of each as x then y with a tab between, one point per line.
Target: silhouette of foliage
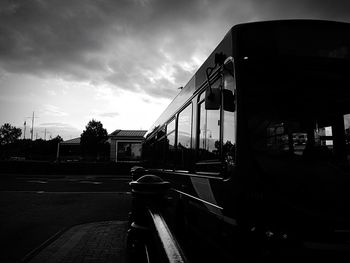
57	139
9	134
93	140
27	149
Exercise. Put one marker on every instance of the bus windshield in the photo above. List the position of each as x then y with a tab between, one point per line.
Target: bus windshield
325	138
298	118
298	110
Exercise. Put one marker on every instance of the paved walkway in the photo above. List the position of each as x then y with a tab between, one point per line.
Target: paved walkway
88	243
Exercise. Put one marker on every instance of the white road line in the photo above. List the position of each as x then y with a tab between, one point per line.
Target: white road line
46	192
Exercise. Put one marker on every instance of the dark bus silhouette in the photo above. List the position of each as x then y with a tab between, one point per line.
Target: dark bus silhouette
256	147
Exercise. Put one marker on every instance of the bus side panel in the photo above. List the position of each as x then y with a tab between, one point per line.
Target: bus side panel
195	213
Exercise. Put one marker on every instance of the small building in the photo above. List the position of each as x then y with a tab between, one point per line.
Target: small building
125	145
70	150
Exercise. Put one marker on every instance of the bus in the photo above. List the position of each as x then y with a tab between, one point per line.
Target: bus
256	147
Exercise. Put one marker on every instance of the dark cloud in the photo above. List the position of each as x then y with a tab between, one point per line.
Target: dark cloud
138	45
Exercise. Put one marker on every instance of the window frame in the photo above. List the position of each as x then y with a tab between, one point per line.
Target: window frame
216	166
166	163
211	167
191	148
191	123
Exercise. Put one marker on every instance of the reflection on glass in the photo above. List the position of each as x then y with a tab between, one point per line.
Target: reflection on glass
326	138
184	128
229	137
171	126
229	125
184	138
209	134
171	149
129	151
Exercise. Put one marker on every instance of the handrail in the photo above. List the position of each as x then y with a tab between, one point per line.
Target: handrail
173	251
149	237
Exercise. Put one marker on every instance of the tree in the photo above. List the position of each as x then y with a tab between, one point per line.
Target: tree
9	134
93	139
56	140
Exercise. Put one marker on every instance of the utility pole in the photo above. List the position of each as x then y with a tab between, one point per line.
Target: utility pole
24	133
45	135
58	152
32	126
32	129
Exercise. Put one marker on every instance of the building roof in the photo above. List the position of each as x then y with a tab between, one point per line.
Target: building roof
71	141
114	133
128	133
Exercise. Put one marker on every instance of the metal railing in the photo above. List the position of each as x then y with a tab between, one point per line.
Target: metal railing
149	237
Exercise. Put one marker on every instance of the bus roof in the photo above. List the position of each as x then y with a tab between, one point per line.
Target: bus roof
193	85
260	39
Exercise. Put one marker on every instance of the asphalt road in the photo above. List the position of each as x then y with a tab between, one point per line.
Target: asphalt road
65	183
34	208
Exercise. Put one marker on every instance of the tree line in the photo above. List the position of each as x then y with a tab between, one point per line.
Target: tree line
93	144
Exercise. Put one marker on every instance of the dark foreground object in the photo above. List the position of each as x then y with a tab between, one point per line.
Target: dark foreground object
149	237
94	242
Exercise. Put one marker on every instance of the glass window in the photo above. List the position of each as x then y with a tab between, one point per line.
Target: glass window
170	157
184	137
128	151
307	138
159	149
229	125
184	128
171	126
209	133
161	133
201	96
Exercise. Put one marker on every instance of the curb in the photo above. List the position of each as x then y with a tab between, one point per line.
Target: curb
43	245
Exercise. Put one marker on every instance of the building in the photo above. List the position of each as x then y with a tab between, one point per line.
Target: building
70	150
125	145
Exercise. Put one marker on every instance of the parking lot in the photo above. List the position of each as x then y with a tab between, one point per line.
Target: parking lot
35	208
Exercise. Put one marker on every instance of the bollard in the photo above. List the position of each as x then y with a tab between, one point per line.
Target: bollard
148	192
137	172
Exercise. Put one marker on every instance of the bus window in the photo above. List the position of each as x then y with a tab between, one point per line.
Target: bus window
159	148
229	125
209	133
171	126
170	145
148	151
184	137
161	133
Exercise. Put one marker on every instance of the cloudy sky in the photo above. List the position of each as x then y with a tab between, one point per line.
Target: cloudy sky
117	61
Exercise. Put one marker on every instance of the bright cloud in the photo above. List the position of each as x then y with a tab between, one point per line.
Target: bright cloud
53	111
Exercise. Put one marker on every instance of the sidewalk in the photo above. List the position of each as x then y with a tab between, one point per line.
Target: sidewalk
88	243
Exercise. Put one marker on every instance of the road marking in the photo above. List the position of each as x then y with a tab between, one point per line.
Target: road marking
63	192
90	182
36	181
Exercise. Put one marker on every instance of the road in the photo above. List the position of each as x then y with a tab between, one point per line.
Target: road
65	183
33	208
